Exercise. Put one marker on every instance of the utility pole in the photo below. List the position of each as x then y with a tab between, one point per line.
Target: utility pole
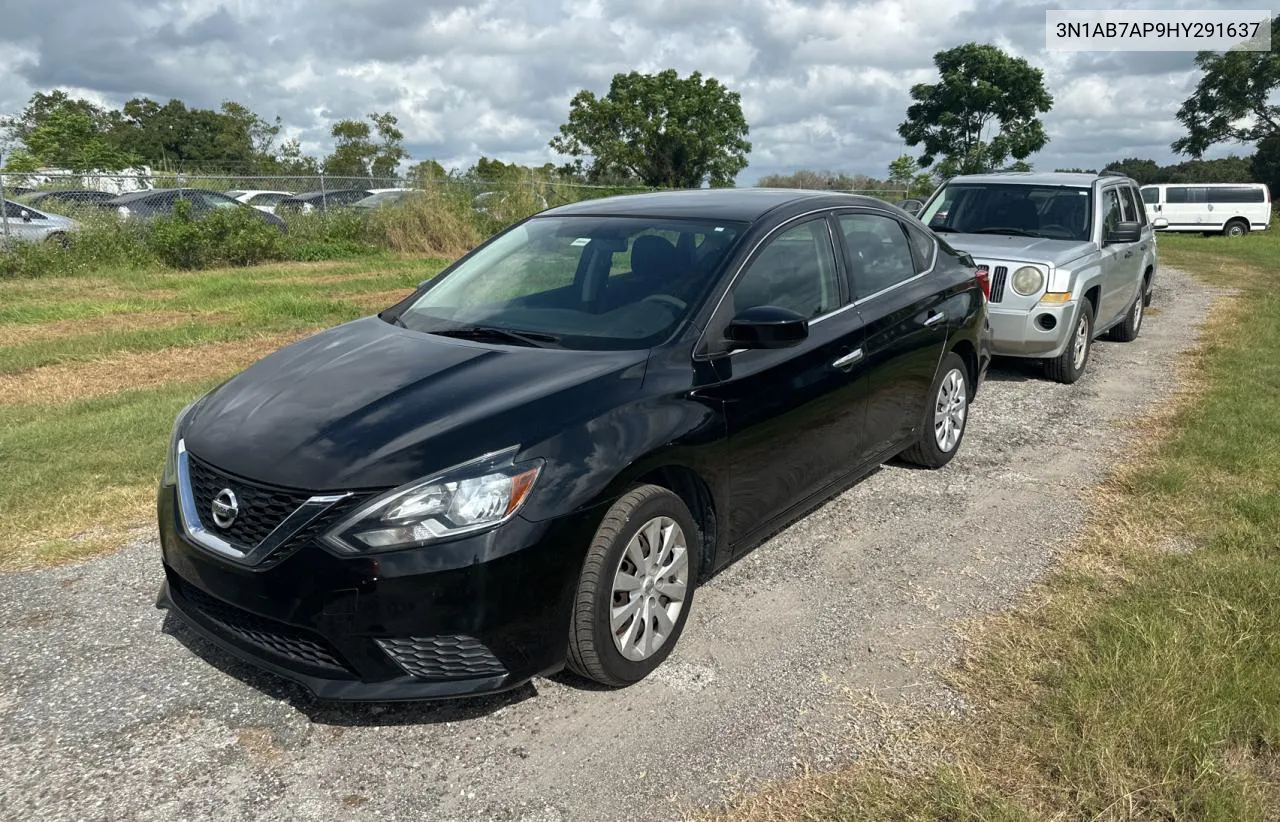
4	204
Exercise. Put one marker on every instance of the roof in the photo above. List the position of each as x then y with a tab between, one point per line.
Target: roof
737	204
1040	178
326	193
146	192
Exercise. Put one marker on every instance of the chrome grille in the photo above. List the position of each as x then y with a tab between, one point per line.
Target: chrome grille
998	277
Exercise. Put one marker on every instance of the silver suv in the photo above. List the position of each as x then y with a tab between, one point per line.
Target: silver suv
1068	257
27	224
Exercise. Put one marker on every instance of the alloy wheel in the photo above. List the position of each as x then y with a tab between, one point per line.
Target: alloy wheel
1081	343
950	410
649	589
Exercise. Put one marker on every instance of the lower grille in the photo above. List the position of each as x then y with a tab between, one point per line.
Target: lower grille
279	640
998	278
443	657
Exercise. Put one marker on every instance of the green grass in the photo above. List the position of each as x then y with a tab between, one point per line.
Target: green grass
1137	682
78	474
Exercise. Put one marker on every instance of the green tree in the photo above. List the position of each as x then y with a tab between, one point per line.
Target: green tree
1233	100
1144	172
1266	163
60	131
355	154
981	90
663	129
291	160
427	171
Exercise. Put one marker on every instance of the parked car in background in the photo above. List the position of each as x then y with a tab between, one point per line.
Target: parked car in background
163	202
382	198
1233	209
911	205
489	201
26	223
533	459
261	200
75	197
322	200
1069	256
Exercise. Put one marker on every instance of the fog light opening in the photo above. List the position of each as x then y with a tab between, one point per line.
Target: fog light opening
1047	321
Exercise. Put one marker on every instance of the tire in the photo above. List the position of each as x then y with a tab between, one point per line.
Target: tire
59	239
1147	289
1235	228
1068	366
595	650
945	417
1127	331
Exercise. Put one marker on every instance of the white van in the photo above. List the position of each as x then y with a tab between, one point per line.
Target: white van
1233	209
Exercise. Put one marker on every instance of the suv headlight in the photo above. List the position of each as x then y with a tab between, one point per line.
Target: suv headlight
169	476
1028	280
465	499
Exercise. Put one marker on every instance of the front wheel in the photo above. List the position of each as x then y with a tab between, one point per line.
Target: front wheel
636	588
1068	366
945	418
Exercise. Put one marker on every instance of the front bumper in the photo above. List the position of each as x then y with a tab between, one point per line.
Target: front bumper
1021	332
473	616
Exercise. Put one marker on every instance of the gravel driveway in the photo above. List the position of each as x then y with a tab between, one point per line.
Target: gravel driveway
111	712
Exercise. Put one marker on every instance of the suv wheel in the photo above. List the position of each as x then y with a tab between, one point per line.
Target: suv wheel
945	417
636	588
1068	366
1236	228
1127	331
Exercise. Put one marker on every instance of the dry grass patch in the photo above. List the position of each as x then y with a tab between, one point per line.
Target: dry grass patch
82	380
374	301
78	528
18	334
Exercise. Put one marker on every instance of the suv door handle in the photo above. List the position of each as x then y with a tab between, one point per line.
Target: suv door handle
935	319
848	359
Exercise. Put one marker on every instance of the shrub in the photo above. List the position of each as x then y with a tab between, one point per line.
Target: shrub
430	222
231	236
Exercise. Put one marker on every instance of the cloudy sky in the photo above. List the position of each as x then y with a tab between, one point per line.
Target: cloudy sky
824	84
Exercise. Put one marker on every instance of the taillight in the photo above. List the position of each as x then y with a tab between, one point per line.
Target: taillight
984	280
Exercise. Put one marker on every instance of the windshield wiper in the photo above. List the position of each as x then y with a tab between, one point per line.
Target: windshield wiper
1017	232
490	332
944	229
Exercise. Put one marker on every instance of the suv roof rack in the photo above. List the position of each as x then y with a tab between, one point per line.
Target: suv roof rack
1110	172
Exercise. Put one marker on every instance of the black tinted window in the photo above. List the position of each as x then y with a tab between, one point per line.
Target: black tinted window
1237	194
879	253
1151	195
796	270
922	247
1134	210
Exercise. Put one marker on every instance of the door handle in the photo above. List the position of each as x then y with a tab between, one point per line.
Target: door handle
848	359
1128	254
935	319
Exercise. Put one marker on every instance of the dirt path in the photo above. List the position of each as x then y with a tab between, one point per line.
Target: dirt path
108	715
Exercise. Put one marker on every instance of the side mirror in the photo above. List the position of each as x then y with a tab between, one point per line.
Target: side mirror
25	215
1128	232
767	326
1159	222
912	207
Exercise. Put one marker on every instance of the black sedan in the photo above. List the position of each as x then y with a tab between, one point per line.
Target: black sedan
533	460
159	202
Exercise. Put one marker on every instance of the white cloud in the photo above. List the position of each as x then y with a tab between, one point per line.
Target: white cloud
823	83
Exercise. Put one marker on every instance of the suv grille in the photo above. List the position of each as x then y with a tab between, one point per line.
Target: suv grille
443	657
998	277
277	639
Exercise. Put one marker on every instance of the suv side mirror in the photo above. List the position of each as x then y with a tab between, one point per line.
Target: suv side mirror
912	206
767	326
1127	232
1159	222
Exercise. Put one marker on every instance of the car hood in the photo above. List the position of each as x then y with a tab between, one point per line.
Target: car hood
1020	249
371	405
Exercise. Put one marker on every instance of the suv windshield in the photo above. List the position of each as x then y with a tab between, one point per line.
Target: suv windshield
1052	212
578	282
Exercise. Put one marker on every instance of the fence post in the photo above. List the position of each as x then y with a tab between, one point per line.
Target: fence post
4	204
324	196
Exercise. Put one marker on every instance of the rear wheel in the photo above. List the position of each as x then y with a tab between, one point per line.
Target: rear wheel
945	418
636	588
1068	366
1127	331
1236	228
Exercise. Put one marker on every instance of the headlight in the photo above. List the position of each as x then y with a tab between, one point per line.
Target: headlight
169	476
1027	280
467	498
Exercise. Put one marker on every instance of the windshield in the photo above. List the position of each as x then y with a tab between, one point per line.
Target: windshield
578	282
1052	212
